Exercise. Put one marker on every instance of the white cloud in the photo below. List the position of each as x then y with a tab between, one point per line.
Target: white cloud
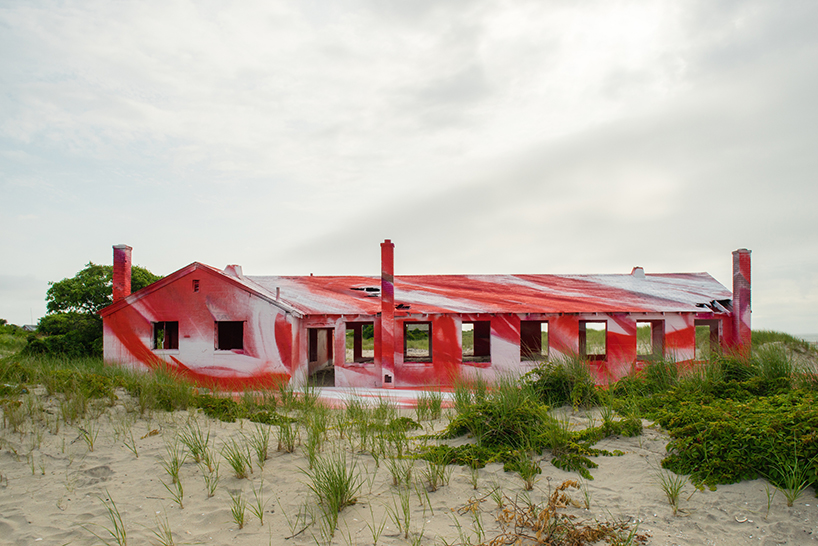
525	136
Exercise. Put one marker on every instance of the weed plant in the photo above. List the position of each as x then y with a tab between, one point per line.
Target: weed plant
287	436
260	443
436	472
163	533
90	433
375	527
792	476
286	396
259	504
334	483
115	531
196	440
519	520
463	395
564	381
661	375
400	511
771	363
238	457
528	469
177	492
175	456
400	469
210	475
238	507
672	486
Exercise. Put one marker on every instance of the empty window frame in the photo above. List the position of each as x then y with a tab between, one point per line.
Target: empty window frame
230	335
707	337
360	342
166	335
476	341
533	339
417	341
593	339
650	339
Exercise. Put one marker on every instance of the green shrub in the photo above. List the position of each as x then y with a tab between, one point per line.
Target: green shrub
725	440
224	409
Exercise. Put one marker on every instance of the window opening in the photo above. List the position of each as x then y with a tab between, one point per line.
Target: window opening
650	339
533	340
417	341
593	339
360	342
195	285
230	335
166	335
476	341
707	338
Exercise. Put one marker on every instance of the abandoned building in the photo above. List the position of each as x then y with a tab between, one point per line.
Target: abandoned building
234	331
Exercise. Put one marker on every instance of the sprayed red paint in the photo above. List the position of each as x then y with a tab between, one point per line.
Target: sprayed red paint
276	313
741	330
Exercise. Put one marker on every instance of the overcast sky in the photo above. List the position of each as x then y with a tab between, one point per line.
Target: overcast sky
481	137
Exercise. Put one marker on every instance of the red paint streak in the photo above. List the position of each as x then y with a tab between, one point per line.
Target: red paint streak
387	345
447	352
506	327
439	294
563	335
443	300
122	272
122	327
284	340
741	337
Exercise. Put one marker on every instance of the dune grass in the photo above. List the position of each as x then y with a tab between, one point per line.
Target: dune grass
725	416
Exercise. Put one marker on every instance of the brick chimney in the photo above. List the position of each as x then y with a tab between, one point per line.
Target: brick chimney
387	352
122	272
742	309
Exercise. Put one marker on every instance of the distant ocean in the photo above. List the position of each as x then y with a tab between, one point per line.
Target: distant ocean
812	338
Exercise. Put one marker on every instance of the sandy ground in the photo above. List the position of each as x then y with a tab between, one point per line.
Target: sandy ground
53	488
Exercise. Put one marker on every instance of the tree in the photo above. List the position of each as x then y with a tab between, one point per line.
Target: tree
72	325
91	288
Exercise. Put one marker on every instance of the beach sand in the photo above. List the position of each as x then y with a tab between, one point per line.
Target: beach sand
54	490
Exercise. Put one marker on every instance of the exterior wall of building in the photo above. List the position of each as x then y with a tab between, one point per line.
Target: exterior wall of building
277	346
196	302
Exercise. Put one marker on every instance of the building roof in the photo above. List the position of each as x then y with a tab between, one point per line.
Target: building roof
427	294
471	294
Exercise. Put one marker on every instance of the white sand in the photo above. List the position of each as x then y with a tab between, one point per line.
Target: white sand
59	502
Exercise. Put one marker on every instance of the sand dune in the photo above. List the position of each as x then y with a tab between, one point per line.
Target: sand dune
54	491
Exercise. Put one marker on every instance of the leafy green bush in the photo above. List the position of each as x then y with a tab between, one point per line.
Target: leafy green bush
726	441
12	338
72	326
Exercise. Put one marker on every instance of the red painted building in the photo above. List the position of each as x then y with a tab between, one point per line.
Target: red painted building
223	327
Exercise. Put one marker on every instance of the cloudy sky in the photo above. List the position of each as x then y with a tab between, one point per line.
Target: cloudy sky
480	136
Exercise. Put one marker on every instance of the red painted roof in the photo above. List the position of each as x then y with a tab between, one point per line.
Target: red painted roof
472	294
679	292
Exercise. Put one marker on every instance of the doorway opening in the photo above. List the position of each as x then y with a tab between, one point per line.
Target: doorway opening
707	338
320	348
